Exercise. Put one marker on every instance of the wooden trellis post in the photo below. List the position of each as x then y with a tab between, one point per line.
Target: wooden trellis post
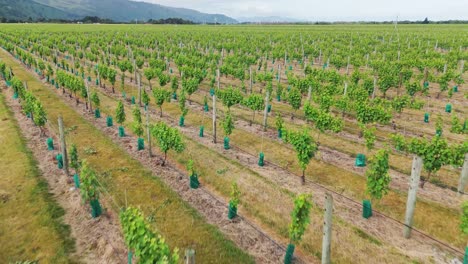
327	229
63	146
412	193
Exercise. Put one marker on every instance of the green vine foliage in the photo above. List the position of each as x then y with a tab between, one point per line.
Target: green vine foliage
174	84
413	87
168	138
18	87
149	247
304	145
95	99
295	98
369	113
378	178
74	159
229	96
137	125
279	122
149	75
464	218
369	136
191	168
120	113
300	217
28	102
323	120
255	102
435	153
398	141
145	98
228	124
457	127
40	115
160	96
235	195
457	154
400	102
182	100
89	183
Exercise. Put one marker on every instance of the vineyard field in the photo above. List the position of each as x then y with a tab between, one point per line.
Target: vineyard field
228	139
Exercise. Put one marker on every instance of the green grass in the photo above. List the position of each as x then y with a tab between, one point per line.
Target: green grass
31	222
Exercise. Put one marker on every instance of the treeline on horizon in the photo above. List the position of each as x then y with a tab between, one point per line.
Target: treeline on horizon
180	21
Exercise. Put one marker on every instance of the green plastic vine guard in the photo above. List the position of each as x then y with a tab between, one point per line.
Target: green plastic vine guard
89	78
426	118
455	89
170	70
206	108
212	91
465	260
50	144
52	81
366	209
129	257
448	108
96	209
278	98
174	96
232	211
181	121
288	257
15	95
121	131
360	160
261	159
280	133
140	144
56	86
28	115
133	100
226	143
426	84
269	108
97	113
438	132
76	179
109	121
194	183
97	81
202	129
59	159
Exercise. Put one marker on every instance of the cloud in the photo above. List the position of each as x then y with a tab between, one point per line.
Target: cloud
330	10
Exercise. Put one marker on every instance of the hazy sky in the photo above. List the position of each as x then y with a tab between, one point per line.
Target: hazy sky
330	10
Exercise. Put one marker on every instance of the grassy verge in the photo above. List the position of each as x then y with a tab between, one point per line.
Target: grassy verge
31	225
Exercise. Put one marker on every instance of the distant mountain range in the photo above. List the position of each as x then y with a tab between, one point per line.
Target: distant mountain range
268	19
117	10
